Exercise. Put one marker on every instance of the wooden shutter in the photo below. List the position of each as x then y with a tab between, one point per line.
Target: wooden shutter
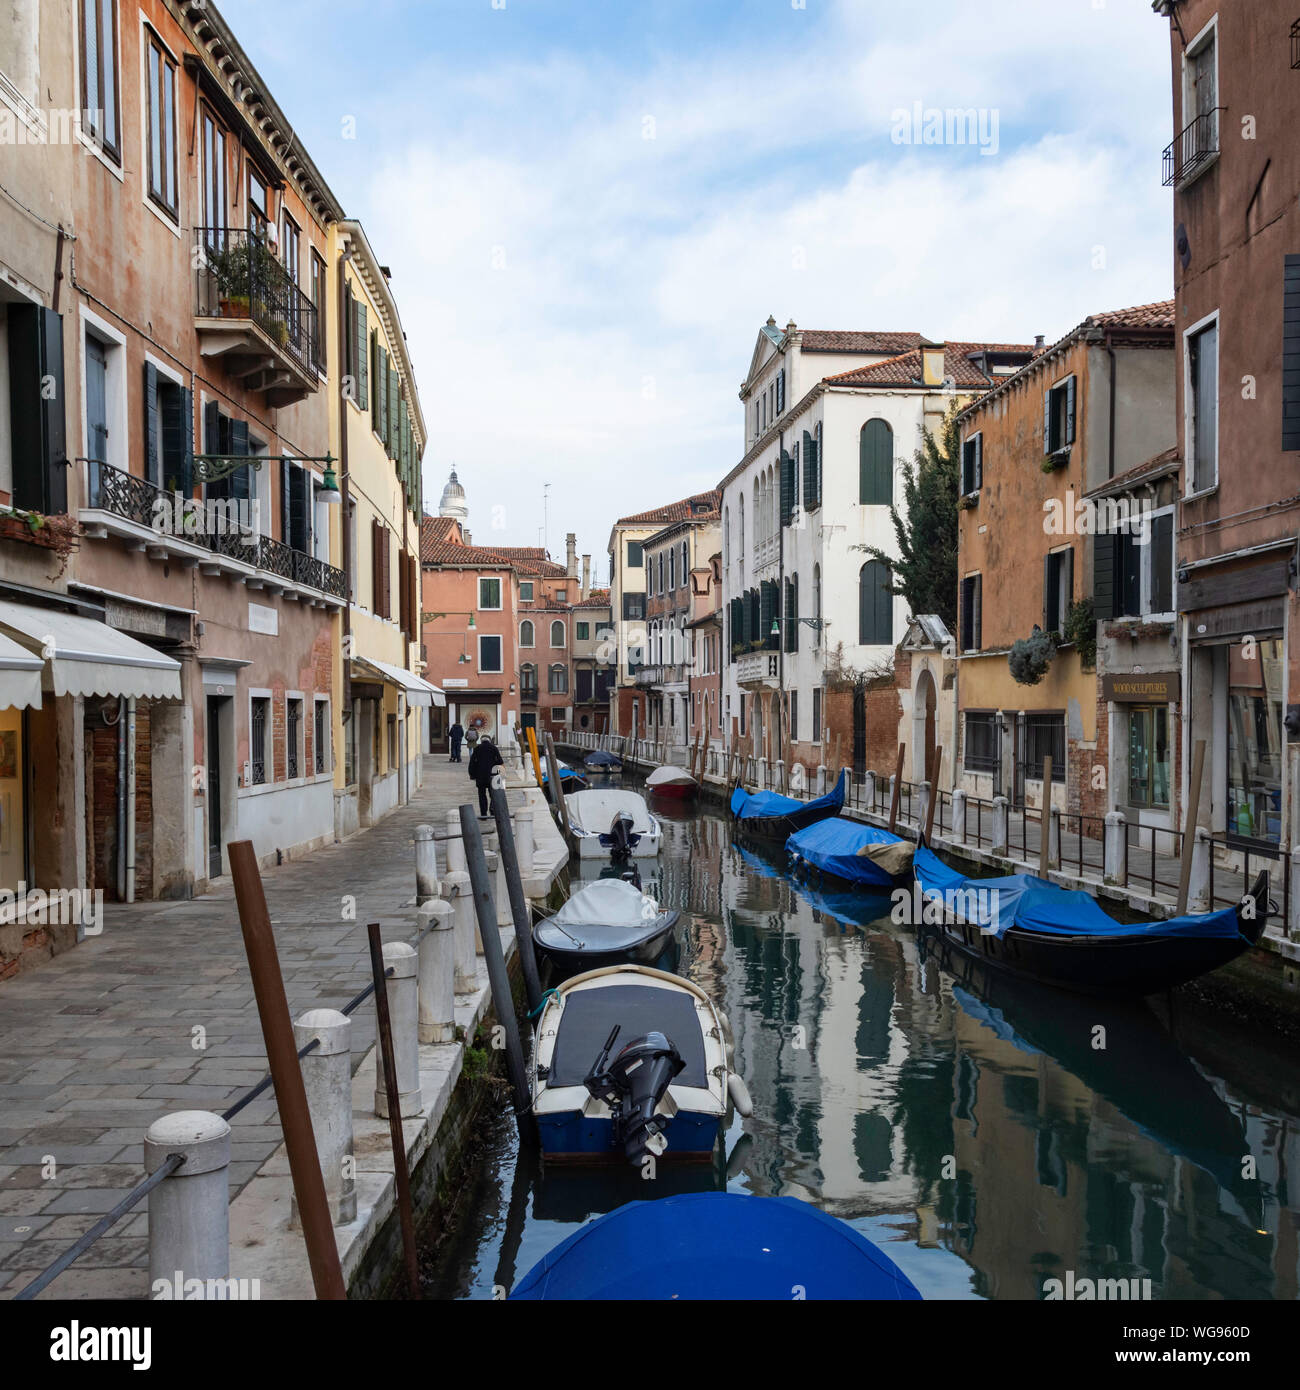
177	414
1047	422
1162	554
1290	353
152	427
1067	584
978	606
1069	409
787	488
394	411
876	464
376	413
238	430
809	468
1047	592
403	594
360	339
979	462
40	480
1103	575
286	502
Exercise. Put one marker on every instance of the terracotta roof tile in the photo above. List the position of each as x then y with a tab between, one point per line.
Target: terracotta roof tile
834	340
1158	315
674	511
905	368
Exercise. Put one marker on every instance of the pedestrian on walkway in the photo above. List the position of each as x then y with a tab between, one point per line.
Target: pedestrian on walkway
456	733
483	762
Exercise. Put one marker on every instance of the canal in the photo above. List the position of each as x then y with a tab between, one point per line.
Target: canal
989	1135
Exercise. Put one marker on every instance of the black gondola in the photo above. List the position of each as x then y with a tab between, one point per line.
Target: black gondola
772	818
1119	961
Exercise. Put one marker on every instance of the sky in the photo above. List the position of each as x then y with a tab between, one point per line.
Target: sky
590	207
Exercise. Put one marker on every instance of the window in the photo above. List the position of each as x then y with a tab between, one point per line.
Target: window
1058	588
321	737
981	747
1256	683
290	249
528	679
561	595
794	716
661	572
972	464
99	78
168	432
791	623
817	714
634	608
258	203
318	282
392	740
582	632
585	678
1045	737
293	735
686	563
876	464
672	568
489	594
812	469
489	654
557	682
1148	756
214	182
875	605
1058	417
971	612
1200	105
557	633
635	555
260	713
526	638
1203	406
381	554
162	126
817	603
526	591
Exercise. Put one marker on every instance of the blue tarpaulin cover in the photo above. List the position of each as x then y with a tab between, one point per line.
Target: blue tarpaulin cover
715	1245
748	805
1032	904
832	846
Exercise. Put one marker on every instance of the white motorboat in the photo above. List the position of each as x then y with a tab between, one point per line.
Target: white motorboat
609	823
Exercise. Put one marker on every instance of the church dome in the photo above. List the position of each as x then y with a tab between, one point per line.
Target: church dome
453	499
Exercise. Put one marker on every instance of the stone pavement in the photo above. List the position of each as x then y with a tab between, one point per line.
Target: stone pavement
157	1014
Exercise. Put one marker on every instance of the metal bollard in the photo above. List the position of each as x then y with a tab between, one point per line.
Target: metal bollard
403	1010
437	972
455	855
462	904
327	1078
524	839
189	1212
426	864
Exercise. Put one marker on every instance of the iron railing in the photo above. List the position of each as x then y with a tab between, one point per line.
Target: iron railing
1295	44
239	277
1192	149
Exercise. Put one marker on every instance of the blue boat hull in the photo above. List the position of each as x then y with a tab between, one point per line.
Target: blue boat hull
570	1136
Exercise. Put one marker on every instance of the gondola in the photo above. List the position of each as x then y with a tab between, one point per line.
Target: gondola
630	1062
850	852
608	922
571	781
716	1245
600	761
772	817
1063	937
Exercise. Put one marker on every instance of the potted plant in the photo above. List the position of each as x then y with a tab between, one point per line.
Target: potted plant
240	267
1030	657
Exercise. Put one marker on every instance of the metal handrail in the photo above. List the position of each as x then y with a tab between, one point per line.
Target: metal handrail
1192	148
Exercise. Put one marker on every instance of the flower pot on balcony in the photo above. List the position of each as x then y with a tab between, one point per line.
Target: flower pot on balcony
279	330
235	307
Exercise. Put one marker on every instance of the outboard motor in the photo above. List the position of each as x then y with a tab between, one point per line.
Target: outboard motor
621	838
632	1085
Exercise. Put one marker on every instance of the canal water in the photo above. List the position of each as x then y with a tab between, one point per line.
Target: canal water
989	1135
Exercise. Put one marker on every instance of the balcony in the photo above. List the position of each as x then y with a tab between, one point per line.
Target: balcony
756	670
250	313
1193	150
144	515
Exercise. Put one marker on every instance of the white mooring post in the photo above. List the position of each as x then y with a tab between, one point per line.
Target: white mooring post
524	839
958	815
426	864
1001	824
1054	837
437	972
189	1212
462	903
327	1078
1112	866
455	856
1198	896
493	868
821	779
403	1012
869	791
923	794
500	888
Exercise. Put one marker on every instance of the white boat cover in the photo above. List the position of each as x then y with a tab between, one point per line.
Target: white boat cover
668	776
20	676
90	658
608	902
594	810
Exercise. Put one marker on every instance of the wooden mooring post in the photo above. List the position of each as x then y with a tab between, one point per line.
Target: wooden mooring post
897	791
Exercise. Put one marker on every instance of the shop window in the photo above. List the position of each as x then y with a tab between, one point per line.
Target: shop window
1148	756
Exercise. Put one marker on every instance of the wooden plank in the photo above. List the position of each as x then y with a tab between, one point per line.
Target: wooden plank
1189	825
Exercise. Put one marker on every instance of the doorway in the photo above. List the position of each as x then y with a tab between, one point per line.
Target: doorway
214	788
859	731
13	800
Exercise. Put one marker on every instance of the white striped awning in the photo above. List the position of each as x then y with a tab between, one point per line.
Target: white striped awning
419	692
20	676
85	657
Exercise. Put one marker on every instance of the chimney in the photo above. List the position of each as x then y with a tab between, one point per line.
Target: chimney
469	540
586	576
932	364
571	555
1039	343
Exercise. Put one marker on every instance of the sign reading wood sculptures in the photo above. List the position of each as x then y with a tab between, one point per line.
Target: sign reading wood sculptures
1158	689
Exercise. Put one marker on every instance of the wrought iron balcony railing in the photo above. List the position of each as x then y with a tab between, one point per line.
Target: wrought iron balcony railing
1295	44
1192	149
239	277
212	525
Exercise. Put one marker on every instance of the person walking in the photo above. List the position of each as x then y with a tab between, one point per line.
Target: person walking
456	733
483	762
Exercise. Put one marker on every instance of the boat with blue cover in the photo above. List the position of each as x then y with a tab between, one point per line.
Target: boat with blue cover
600	761
850	852
1064	937
716	1245
571	780
770	816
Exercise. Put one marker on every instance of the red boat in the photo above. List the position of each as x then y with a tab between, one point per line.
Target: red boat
672	781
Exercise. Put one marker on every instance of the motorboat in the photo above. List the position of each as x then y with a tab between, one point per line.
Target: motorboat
770	816
608	922
608	822
672	781
571	780
600	761
630	1063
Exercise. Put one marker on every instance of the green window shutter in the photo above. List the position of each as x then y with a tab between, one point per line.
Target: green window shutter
1069	410
36	406
361	320
152	427
286	501
239	480
1047	423
809	470
394	412
787	488
185	441
876	464
381	395
375	350
767	610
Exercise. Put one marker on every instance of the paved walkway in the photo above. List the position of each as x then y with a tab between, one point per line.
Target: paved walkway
157	1014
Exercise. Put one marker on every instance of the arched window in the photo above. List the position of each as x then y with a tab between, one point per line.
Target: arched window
558	683
672	569
686	563
528	678
557	633
876	464
526	633
875	605
726	537
758	516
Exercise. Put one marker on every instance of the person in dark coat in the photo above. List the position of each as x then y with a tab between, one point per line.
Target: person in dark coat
483	762
456	733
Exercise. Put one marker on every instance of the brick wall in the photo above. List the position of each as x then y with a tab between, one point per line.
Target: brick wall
103	811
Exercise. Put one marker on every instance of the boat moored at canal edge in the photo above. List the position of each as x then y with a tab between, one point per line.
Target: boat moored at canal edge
772	817
672	781
608	922
609	822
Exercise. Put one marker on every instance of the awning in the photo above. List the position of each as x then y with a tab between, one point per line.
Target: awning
90	658
418	691
20	676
